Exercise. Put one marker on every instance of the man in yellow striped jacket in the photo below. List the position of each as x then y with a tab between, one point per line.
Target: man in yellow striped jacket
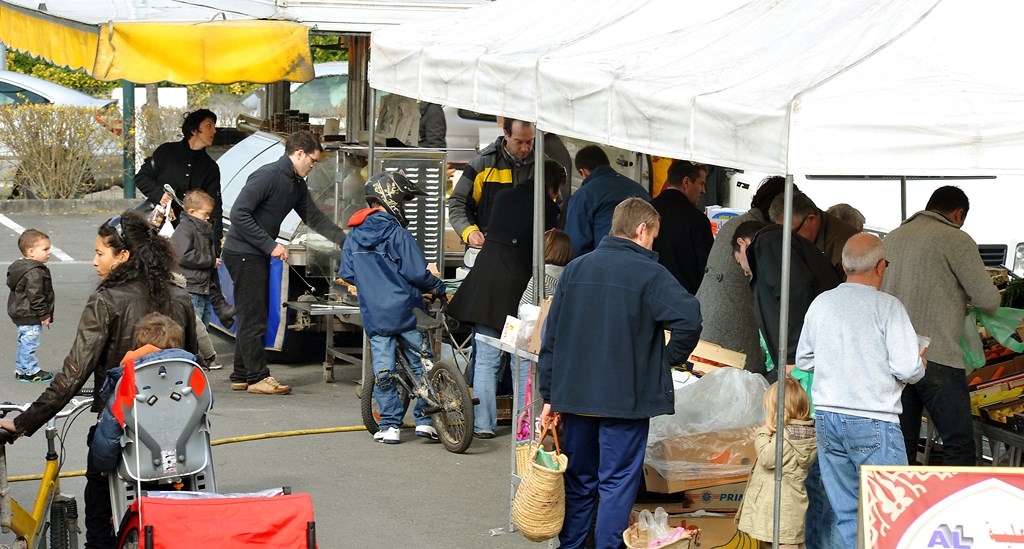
507	161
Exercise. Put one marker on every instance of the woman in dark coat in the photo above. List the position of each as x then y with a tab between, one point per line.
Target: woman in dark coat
493	287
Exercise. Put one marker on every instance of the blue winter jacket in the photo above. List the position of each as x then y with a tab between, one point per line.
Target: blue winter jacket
603	351
588	218
381	259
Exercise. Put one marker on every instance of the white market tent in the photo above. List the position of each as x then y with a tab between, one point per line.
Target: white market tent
884	87
880	87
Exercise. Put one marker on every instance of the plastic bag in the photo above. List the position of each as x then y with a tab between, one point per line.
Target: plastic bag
167	229
656	525
711	434
528	314
970	343
1003	327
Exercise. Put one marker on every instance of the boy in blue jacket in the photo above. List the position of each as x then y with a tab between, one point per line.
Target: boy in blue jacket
382	260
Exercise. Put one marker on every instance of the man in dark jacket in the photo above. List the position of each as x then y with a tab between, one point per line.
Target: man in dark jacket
604	368
270	193
685	240
828	233
589	215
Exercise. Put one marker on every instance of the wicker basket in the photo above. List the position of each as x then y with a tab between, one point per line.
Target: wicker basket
523	451
538	508
635	538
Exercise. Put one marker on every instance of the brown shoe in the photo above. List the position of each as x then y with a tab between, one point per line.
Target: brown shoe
239	386
269	386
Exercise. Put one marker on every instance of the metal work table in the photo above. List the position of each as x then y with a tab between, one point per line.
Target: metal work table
1005	445
345	313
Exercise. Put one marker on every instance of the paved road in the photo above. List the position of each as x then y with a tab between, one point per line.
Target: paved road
370	495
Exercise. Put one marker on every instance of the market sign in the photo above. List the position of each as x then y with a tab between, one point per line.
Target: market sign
953	507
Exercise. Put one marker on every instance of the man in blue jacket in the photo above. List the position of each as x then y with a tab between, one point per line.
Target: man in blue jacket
381	259
604	368
588	217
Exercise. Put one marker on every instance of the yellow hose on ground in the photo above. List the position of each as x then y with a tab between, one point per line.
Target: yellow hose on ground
230	440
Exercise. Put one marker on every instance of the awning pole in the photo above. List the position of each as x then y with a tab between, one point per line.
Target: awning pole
372	115
539	196
128	133
903	198
781	362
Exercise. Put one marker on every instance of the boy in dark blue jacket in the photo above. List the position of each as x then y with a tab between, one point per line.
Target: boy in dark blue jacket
382	260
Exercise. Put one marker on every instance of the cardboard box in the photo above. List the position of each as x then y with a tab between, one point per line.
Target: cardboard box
538	329
1005	368
504	404
725	497
708	356
716	529
703	448
452	241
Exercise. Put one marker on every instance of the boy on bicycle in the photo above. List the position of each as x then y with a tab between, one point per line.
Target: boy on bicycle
381	259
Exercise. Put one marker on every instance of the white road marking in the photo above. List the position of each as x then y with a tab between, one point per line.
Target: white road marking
10	224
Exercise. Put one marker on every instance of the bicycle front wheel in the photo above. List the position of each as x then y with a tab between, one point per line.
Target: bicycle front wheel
454	421
64	524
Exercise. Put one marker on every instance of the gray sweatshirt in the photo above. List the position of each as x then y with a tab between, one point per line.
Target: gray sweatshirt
862	349
936	272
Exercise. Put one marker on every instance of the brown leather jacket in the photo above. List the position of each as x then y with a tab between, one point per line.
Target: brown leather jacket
105	334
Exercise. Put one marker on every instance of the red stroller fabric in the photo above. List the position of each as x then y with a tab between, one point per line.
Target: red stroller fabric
224	523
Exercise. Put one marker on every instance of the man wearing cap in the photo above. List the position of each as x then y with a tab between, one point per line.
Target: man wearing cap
269	195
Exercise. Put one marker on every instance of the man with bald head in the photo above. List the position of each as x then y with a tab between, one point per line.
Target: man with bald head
862	349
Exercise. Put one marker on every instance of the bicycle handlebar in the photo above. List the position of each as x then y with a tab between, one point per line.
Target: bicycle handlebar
7	437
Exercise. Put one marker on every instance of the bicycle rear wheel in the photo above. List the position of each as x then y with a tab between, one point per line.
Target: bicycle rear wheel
454	422
368	405
64	524
128	536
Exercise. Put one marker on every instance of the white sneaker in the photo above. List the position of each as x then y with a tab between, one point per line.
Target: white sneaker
388	435
426	431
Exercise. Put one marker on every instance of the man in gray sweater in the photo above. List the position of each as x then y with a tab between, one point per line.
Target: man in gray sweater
937	272
862	349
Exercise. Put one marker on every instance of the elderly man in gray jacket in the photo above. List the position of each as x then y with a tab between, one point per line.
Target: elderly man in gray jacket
937	272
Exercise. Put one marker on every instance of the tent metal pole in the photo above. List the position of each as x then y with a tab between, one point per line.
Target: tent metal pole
781	362
903	198
539	196
371	116
128	127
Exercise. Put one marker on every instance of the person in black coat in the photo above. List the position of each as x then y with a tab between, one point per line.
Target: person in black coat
685	239
493	287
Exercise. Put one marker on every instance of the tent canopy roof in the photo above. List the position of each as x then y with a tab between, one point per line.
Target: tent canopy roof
886	87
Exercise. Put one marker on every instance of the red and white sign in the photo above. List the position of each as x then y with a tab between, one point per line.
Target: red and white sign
935	507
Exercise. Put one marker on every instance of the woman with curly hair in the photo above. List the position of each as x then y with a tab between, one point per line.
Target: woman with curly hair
134	265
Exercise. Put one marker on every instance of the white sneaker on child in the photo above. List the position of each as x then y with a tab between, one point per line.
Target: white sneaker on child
426	431
388	435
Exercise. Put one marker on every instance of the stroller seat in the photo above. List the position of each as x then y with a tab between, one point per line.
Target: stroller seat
166	438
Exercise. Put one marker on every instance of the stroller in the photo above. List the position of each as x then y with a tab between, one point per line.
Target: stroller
164	488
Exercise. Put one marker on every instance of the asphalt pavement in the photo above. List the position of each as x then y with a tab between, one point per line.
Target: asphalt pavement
365	494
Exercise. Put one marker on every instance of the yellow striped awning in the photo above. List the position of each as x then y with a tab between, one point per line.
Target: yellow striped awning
144	52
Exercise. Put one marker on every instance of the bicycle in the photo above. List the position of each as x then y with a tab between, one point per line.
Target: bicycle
53	513
442	386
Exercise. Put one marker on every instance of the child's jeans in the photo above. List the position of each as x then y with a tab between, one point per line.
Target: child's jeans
201	302
28	341
385	387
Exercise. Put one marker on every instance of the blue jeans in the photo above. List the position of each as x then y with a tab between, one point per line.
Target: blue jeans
28	341
943	392
606	458
486	362
845	443
385	386
201	303
820	520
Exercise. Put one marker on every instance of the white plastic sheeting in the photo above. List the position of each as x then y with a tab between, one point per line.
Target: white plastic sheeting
886	87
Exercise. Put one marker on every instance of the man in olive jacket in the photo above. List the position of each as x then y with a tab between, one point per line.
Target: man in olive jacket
604	368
